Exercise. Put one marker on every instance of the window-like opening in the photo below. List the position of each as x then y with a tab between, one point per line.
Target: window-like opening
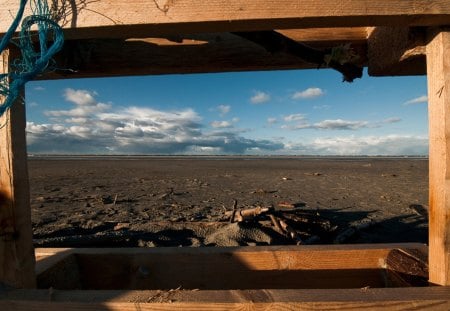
169	160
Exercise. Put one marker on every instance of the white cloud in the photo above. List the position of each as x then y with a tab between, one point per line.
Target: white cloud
392	120
309	93
223	109
260	97
93	127
368	145
294	117
221	124
224	124
337	124
340	124
80	97
418	100
39	88
85	105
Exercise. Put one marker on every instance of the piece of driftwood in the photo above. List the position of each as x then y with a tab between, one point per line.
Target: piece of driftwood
233	213
275	42
291	232
276	224
245	214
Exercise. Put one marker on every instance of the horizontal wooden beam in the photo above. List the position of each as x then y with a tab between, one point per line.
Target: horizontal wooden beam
195	53
299	267
370	299
111	18
197	264
396	51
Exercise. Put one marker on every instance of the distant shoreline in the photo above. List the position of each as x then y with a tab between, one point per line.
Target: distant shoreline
220	157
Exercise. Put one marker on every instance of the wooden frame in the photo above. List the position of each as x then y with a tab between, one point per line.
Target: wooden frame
278	277
99	32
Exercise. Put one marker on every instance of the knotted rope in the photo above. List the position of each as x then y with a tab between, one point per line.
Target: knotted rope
35	58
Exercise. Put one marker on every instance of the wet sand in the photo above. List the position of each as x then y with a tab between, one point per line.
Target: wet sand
173	201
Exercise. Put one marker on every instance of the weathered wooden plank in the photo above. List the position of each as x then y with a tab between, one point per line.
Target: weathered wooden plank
396	51
17	261
423	298
222	268
438	71
216	52
106	18
312	257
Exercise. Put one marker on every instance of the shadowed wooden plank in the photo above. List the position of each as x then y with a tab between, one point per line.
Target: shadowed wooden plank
16	247
396	51
194	53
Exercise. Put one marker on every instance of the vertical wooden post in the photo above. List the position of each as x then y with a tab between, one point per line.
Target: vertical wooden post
438	72
17	262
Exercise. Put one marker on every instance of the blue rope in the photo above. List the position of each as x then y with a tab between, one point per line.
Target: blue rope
33	62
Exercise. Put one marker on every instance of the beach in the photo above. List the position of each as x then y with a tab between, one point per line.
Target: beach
105	201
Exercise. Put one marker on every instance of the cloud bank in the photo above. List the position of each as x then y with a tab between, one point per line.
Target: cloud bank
92	127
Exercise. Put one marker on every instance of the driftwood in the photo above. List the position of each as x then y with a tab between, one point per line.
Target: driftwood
245	214
276	224
275	42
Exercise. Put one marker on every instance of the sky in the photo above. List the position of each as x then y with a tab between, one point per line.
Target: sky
295	112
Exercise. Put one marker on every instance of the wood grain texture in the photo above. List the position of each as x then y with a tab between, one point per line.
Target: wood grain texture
396	51
438	71
192	53
423	298
222	268
16	249
93	19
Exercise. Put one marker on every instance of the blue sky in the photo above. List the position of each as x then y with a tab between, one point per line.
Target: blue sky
307	112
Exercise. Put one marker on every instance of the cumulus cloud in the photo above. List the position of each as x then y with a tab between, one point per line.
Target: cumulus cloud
309	93
260	97
85	105
418	100
224	124
98	128
367	145
221	124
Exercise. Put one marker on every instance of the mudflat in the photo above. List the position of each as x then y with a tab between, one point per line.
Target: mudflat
182	201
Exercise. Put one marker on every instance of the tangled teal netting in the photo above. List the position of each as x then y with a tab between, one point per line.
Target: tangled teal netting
37	48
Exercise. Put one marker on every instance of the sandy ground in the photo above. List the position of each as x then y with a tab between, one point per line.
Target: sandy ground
173	201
